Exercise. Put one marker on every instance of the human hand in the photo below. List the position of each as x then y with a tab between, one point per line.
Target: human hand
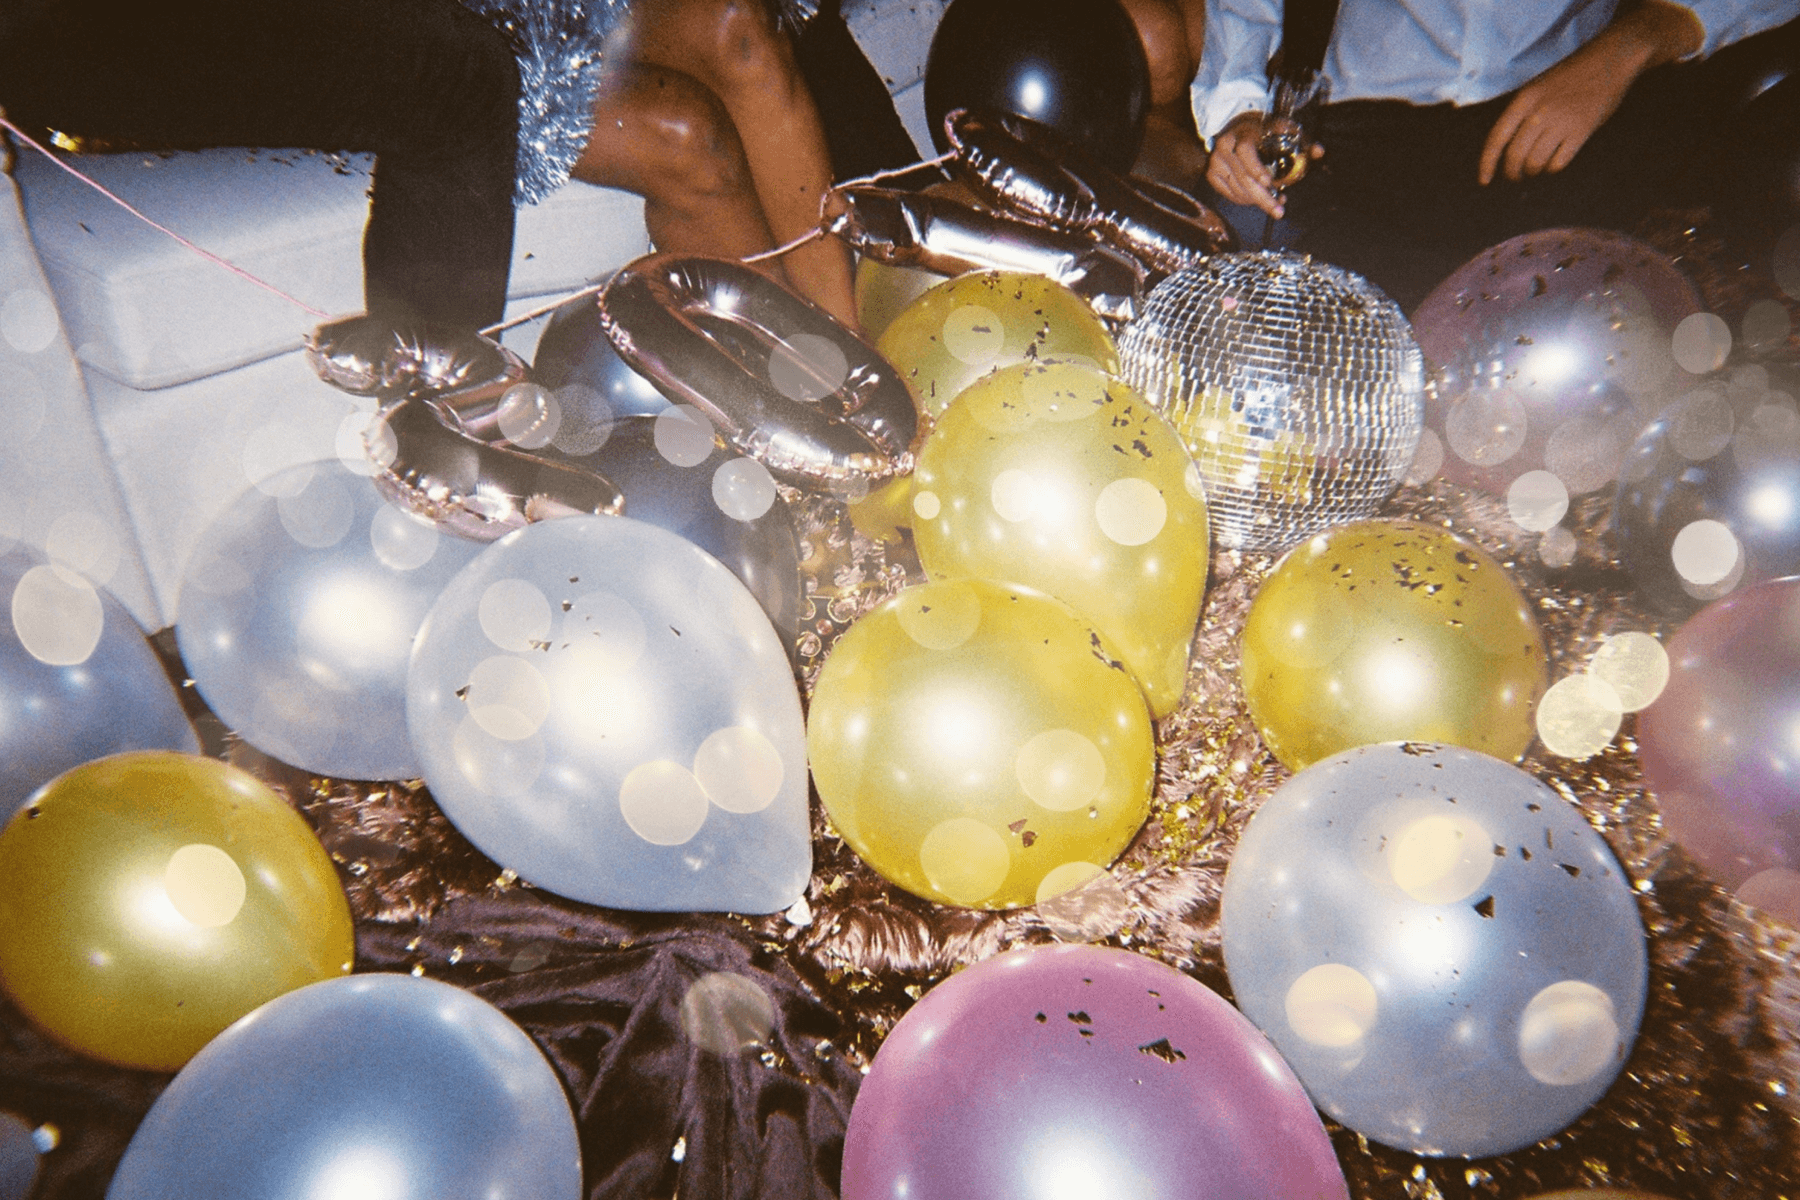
1238	173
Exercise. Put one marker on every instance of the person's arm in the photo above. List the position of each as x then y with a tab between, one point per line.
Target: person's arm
1229	94
1554	115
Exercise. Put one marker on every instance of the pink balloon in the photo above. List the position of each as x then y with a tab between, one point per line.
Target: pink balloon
1081	1071
1721	744
1547	353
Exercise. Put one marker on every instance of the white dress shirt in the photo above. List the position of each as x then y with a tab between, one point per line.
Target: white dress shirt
1429	51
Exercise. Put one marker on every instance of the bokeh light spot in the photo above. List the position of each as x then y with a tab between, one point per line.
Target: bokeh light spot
739	769
727	1013
1537	500
1635	665
1331	1005
1705	552
1701	343
514	614
508	697
401	540
57	616
1578	716
205	885
663	803
1060	769
965	859
1131	512
495	766
320	515
974	334
683	435
1441	858
944	621
529	416
926	505
743	489
1568	1034
807	367
28	320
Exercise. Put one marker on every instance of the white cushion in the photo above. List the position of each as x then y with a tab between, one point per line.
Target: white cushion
146	311
895	36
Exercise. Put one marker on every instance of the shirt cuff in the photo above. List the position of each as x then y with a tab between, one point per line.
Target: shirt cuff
1214	109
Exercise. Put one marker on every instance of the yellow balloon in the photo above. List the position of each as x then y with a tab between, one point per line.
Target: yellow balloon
885	511
1382	631
978	745
883	291
978	323
149	900
1057	477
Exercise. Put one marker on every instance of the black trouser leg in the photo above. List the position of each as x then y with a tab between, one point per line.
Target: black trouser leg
429	87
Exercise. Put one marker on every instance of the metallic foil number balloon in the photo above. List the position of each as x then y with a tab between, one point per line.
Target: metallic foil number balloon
149	900
77	680
1385	630
1549	352
975	324
1443	949
373	1086
1296	385
298	612
602	707
1054	476
1076	1071
1719	744
979	745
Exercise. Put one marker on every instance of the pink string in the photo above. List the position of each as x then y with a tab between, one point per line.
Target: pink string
124	204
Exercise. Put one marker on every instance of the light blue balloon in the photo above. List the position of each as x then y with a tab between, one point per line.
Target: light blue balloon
602	707
368	1085
78	680
1444	950
297	617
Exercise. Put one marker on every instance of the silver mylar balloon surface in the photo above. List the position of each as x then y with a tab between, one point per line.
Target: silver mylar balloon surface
1296	385
297	618
383	1086
1443	949
78	681
601	706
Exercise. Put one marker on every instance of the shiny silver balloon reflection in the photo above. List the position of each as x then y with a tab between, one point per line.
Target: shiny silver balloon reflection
601	706
1296	385
1443	949
384	1087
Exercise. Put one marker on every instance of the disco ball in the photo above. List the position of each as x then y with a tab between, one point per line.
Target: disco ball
1548	354
1296	385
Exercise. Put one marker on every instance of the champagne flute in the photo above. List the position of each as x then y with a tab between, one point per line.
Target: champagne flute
1285	146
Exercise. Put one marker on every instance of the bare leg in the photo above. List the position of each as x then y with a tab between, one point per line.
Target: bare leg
665	136
1173	33
734	48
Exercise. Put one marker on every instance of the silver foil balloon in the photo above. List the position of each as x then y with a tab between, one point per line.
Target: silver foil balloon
370	1085
457	414
936	233
298	611
77	680
1296	385
1025	168
785	381
602	707
1443	949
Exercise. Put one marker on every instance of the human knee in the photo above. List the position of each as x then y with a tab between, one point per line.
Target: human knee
745	52
697	152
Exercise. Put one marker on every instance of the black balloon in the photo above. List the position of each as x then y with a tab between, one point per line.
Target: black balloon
1074	65
1709	495
576	360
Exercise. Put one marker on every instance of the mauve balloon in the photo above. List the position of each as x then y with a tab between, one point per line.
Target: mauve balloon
1721	745
1082	1071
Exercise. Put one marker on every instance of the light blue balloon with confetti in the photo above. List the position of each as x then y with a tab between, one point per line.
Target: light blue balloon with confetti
1444	949
601	706
78	680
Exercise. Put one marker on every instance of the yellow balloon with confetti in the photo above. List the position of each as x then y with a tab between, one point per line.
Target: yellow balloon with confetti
1058	477
1385	631
978	323
979	745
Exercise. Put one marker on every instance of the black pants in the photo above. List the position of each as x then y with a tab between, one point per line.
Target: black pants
429	87
1396	199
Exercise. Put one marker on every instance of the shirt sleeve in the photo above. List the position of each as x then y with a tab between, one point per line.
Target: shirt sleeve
1728	21
1241	35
